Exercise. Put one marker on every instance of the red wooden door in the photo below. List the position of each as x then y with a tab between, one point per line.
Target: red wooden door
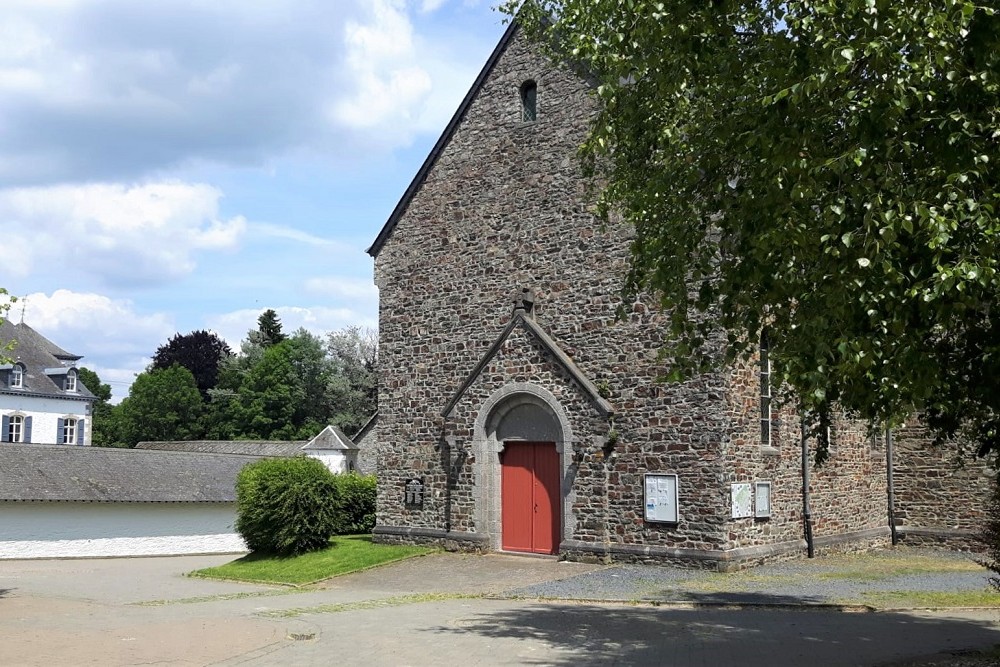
529	493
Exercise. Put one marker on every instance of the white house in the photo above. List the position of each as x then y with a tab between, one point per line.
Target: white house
334	449
41	397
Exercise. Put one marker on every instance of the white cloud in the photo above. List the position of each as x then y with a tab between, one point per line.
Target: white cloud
113	338
111	89
343	287
428	6
144	234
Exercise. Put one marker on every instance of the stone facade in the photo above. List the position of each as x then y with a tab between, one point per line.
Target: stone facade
941	492
498	208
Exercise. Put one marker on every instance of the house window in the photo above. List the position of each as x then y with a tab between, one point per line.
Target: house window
69	432
15	429
765	391
529	101
71	381
17	377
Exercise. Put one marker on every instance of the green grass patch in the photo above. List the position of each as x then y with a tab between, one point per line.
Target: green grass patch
932	599
348	553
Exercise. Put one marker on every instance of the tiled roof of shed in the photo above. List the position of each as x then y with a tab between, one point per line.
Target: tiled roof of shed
244	447
106	475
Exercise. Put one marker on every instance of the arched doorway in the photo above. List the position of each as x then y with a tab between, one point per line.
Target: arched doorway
521	432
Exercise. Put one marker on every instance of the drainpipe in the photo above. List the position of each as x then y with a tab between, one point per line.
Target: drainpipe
806	513
890	487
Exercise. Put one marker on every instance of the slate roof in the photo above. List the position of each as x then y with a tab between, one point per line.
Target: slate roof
104	475
38	353
330	438
240	447
366	429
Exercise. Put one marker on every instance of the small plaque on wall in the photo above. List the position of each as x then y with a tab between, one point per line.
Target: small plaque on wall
742	501
762	500
660	498
413	496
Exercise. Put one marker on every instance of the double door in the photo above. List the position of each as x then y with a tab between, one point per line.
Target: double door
530	497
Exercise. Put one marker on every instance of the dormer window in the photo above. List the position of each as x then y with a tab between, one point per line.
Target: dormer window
17	377
529	101
71	381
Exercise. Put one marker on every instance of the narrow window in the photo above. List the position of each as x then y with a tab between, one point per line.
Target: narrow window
15	428
17	377
765	391
71	381
69	432
529	101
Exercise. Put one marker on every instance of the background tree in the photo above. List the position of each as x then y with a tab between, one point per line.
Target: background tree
825	169
163	404
201	352
103	425
269	329
353	383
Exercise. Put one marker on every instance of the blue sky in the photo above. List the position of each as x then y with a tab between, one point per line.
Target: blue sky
173	166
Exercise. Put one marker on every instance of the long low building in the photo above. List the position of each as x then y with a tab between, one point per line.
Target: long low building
70	502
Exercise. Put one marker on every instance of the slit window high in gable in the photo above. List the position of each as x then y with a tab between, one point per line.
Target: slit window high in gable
529	101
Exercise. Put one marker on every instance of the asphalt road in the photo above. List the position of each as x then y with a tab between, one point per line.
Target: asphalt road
426	611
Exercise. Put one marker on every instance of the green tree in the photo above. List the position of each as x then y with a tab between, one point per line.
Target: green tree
163	404
827	170
353	384
201	352
269	329
266	402
104	431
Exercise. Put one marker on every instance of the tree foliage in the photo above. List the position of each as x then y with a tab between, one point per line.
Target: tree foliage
286	506
353	379
827	170
104	429
163	404
201	352
269	329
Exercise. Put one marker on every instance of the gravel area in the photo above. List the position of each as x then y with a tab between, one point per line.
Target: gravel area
827	580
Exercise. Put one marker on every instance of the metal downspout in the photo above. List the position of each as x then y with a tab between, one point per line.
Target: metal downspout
890	486
806	513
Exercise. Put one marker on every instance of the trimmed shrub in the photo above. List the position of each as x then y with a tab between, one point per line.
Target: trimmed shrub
286	506
356	506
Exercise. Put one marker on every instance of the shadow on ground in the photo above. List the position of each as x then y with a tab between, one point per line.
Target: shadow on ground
591	635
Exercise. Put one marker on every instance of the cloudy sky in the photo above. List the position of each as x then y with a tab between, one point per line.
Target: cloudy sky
181	165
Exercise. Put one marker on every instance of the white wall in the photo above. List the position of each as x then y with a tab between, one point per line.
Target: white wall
77	530
45	414
336	460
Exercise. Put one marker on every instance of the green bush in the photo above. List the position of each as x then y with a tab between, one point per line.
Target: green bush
286	506
356	506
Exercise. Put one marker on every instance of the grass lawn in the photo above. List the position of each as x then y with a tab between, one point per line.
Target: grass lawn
345	554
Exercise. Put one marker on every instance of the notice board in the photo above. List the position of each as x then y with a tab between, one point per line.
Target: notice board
660	498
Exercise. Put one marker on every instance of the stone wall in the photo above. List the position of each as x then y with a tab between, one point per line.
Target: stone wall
504	208
941	492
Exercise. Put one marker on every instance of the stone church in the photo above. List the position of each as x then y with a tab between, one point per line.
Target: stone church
517	413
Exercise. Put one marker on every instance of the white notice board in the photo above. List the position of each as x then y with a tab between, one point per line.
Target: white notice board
742	506
660	498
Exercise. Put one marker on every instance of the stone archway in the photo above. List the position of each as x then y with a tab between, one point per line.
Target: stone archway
519	412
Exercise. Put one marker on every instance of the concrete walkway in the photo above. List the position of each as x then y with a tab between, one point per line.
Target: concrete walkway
425	611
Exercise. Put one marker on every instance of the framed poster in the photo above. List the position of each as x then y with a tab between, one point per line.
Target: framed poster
660	498
742	501
762	500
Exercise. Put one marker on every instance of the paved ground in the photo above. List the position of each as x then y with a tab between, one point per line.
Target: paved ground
429	611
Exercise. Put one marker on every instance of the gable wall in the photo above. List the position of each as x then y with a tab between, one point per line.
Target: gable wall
505	207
